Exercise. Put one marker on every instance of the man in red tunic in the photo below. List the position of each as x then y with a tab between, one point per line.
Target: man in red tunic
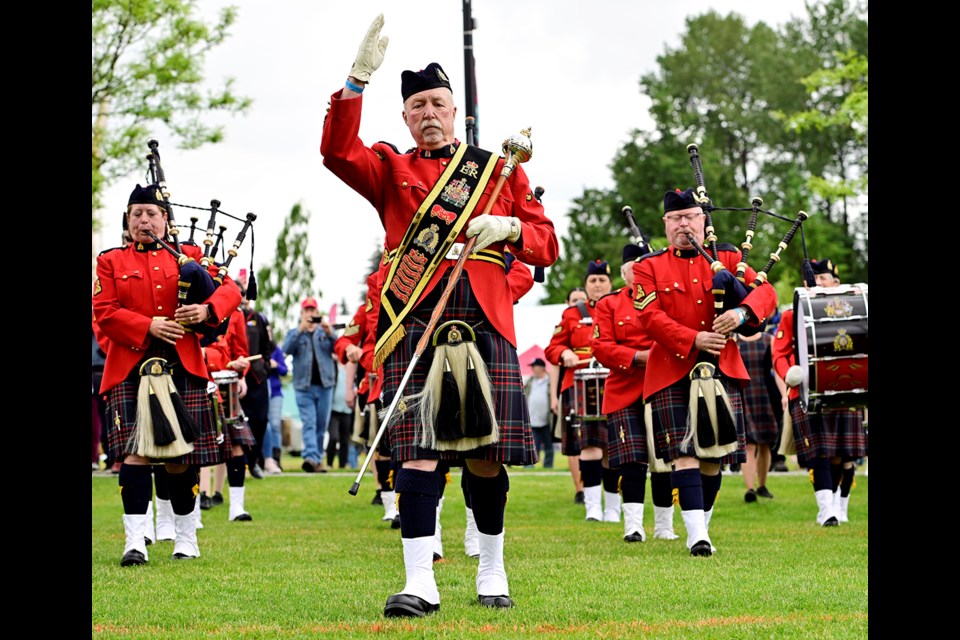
430	200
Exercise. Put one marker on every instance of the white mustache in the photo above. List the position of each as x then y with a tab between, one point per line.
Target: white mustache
426	124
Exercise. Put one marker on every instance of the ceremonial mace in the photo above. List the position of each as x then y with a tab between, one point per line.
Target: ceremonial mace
517	148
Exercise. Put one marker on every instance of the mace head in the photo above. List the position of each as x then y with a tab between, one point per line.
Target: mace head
517	148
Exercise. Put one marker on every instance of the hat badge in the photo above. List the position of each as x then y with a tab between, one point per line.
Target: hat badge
442	75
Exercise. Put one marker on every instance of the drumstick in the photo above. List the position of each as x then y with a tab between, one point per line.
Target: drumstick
255	356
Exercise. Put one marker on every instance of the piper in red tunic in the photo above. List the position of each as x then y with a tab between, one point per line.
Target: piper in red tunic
620	345
409	195
135	303
676	304
584	437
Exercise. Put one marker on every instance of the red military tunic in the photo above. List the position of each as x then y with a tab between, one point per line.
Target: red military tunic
782	350
520	280
136	283
362	332
396	184
617	338
573	332
230	346
675	300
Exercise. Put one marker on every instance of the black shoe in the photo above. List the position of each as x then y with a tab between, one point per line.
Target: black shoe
395	523
497	602
750	496
437	557
404	605
256	471
735	467
217	499
701	548
182	556
132	557
578	497
633	537
205	502
763	492
831	522
147	541
377	499
309	466
243	517
779	466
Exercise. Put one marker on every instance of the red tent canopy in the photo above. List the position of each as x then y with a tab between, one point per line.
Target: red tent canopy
528	356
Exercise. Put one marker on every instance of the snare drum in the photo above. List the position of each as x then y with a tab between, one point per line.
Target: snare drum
588	393
228	382
830	330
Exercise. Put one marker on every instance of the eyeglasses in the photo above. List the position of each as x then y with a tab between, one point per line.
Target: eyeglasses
688	218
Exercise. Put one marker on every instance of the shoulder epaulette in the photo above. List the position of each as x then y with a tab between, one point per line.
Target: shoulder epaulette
612	293
650	255
106	251
726	246
392	146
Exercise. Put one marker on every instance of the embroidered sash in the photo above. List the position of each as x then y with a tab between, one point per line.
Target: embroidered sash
433	230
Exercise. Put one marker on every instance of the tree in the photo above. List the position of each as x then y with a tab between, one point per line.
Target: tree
148	58
291	277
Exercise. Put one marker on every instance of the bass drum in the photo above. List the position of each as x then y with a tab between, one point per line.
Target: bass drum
832	346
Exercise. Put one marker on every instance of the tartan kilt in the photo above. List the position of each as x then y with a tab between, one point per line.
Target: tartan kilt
670	408
833	433
515	446
627	435
570	431
236	432
122	410
762	426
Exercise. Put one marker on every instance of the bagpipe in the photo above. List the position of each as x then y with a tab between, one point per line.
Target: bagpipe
711	422
198	281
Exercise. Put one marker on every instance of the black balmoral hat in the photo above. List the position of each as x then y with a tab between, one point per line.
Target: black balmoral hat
598	267
677	200
150	194
633	251
825	266
433	76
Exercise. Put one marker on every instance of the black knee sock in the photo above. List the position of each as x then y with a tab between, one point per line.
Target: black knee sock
160	482
383	474
689	485
611	480
417	502
821	474
591	473
711	487
465	487
847	482
661	489
136	488
633	482
836	475
489	497
443	470
236	470
183	490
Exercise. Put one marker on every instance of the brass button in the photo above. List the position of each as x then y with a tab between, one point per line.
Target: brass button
695	281
699	301
443	162
620	323
159	286
124	277
159	308
666	288
156	268
702	323
676	284
154	253
403	184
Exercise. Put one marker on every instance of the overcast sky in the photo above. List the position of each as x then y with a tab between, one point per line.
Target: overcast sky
567	68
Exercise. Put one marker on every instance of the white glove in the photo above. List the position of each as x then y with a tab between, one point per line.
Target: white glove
371	51
794	376
490	229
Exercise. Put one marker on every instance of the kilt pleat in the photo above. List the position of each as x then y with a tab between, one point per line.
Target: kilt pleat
832	433
627	435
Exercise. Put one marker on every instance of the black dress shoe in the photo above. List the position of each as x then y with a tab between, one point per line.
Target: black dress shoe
750	496
217	499
831	522
132	557
763	492
404	605
205	502
437	557
395	523
243	517
578	497
701	548
633	537
779	466
377	499
308	466
497	602
256	471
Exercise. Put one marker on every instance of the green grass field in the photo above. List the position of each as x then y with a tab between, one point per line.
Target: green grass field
316	562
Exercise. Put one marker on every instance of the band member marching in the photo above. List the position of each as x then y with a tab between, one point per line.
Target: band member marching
571	348
623	347
430	200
